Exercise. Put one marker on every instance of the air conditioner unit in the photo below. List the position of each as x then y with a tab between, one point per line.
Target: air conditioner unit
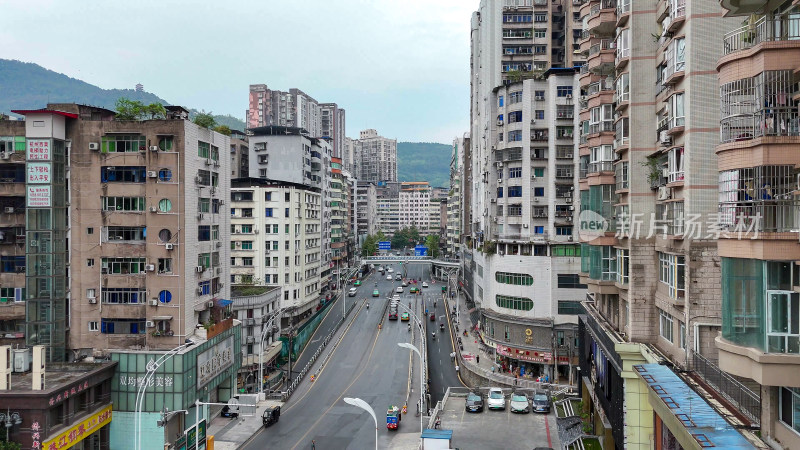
218	244
94	146
267	252
5	155
152	174
499	181
199	216
238	244
524	225
199	269
153	148
533	177
153	209
150	324
533	121
199	291
150	267
198	179
568	199
536	199
153	302
216	163
569	218
34	243
665	138
569	238
501	253
572	208
169	246
92	301
217	270
8	210
499	123
569	96
210	304
494	200
664	193
494	219
207	162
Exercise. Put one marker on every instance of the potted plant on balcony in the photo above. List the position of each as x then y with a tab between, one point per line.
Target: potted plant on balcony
156	333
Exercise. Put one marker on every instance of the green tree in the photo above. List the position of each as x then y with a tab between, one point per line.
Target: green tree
129	109
205	120
414	236
8	445
223	129
370	246
432	242
400	239
156	111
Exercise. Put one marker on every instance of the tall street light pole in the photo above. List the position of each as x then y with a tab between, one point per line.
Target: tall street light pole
415	350
365	406
264	332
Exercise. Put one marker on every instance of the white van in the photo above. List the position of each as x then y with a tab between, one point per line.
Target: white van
352	292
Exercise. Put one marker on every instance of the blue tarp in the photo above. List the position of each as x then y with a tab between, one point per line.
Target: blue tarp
224	302
437	434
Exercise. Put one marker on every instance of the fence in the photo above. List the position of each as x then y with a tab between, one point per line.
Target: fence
747	401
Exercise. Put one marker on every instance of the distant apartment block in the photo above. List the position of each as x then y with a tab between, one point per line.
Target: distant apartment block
375	157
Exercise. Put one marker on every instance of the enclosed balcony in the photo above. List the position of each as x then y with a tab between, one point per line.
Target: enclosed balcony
602	17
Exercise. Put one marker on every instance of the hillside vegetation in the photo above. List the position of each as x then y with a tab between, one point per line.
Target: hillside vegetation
424	161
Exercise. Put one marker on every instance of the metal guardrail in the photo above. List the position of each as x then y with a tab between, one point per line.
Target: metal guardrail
747	401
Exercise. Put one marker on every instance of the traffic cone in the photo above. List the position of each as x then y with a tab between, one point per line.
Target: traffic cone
405	408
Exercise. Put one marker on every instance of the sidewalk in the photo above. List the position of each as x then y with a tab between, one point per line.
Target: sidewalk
230	434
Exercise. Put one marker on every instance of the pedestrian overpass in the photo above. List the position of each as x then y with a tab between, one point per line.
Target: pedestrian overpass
439	267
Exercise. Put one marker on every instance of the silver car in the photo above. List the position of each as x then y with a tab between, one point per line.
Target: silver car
519	403
496	399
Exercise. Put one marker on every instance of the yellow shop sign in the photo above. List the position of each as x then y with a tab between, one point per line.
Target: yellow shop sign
79	431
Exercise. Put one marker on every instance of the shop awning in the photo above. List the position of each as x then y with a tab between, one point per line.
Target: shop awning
162	317
223	302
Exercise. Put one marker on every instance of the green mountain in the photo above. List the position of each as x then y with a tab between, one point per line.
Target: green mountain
28	86
424	161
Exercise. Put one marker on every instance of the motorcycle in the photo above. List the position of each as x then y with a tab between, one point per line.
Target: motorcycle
367	305
409	328
441	326
433	335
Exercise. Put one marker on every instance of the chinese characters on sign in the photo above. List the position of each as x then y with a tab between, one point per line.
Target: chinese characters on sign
38	150
525	355
71	436
715	226
61	396
38	196
213	361
156	380
39	173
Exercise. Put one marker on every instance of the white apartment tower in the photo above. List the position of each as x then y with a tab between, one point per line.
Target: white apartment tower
375	157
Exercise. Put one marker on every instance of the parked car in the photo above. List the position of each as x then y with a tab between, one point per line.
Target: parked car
424	284
352	292
474	403
541	402
232	413
496	399
519	403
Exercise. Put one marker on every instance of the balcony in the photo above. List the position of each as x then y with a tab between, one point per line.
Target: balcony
623	11
783	27
602	18
601	166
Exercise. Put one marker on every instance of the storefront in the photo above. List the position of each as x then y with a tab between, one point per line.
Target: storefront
74	411
205	371
523	362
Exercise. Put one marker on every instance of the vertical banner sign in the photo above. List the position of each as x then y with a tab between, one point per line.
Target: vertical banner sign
38	150
39	173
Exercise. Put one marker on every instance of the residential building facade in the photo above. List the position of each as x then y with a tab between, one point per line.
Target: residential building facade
415	205
332	127
375	157
293	108
365	210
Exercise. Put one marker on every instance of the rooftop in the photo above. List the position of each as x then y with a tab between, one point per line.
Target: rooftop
703	424
57	375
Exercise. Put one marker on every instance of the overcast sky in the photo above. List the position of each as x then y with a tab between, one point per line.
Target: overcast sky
399	66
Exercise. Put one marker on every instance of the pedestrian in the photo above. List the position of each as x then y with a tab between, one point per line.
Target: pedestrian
456	368
313	444
515	381
477	359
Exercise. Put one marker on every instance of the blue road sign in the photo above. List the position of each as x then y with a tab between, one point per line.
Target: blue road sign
420	250
384	245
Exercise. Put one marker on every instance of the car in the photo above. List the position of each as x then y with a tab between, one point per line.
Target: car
227	411
424	284
376	293
352	292
389	277
399	289
391	270
474	403
496	399
519	403
404	284
541	402
413	290
433	317
398	277
404	317
357	283
393	314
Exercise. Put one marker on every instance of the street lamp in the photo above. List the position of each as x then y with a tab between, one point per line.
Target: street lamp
421	382
10	419
365	406
261	352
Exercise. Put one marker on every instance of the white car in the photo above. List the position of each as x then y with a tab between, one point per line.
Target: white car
519	403
399	289
391	270
424	284
389	277
496	399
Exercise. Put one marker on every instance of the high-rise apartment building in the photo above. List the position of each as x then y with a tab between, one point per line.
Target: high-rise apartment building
97	284
455	216
414	205
758	65
240	155
348	156
365	210
375	157
332	127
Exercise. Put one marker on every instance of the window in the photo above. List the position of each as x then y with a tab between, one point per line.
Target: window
214	232
247	245
164	175
204	233
565	250
675	164
622	266
286	212
675	110
539	33
517	279
783	322
540	18
165	265
165	143
515	116
518	303
570	281
124	296
90	262
122	326
665	325
123	143
538	192
500	101
671	273
214	153
538	172
123	174
515	191
111	234
204	259
515	210
563	91
204	205
538	95
564	231
204	178
247	262
94	326
538	114
569	307
790	407
123	266
11	294
514	97
499	192
203	149
268	212
515	172
514	135
165	205
204	287
682	337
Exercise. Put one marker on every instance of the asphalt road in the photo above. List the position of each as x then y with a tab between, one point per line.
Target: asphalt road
367	364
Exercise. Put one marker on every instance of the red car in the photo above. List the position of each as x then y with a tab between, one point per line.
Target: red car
433	317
